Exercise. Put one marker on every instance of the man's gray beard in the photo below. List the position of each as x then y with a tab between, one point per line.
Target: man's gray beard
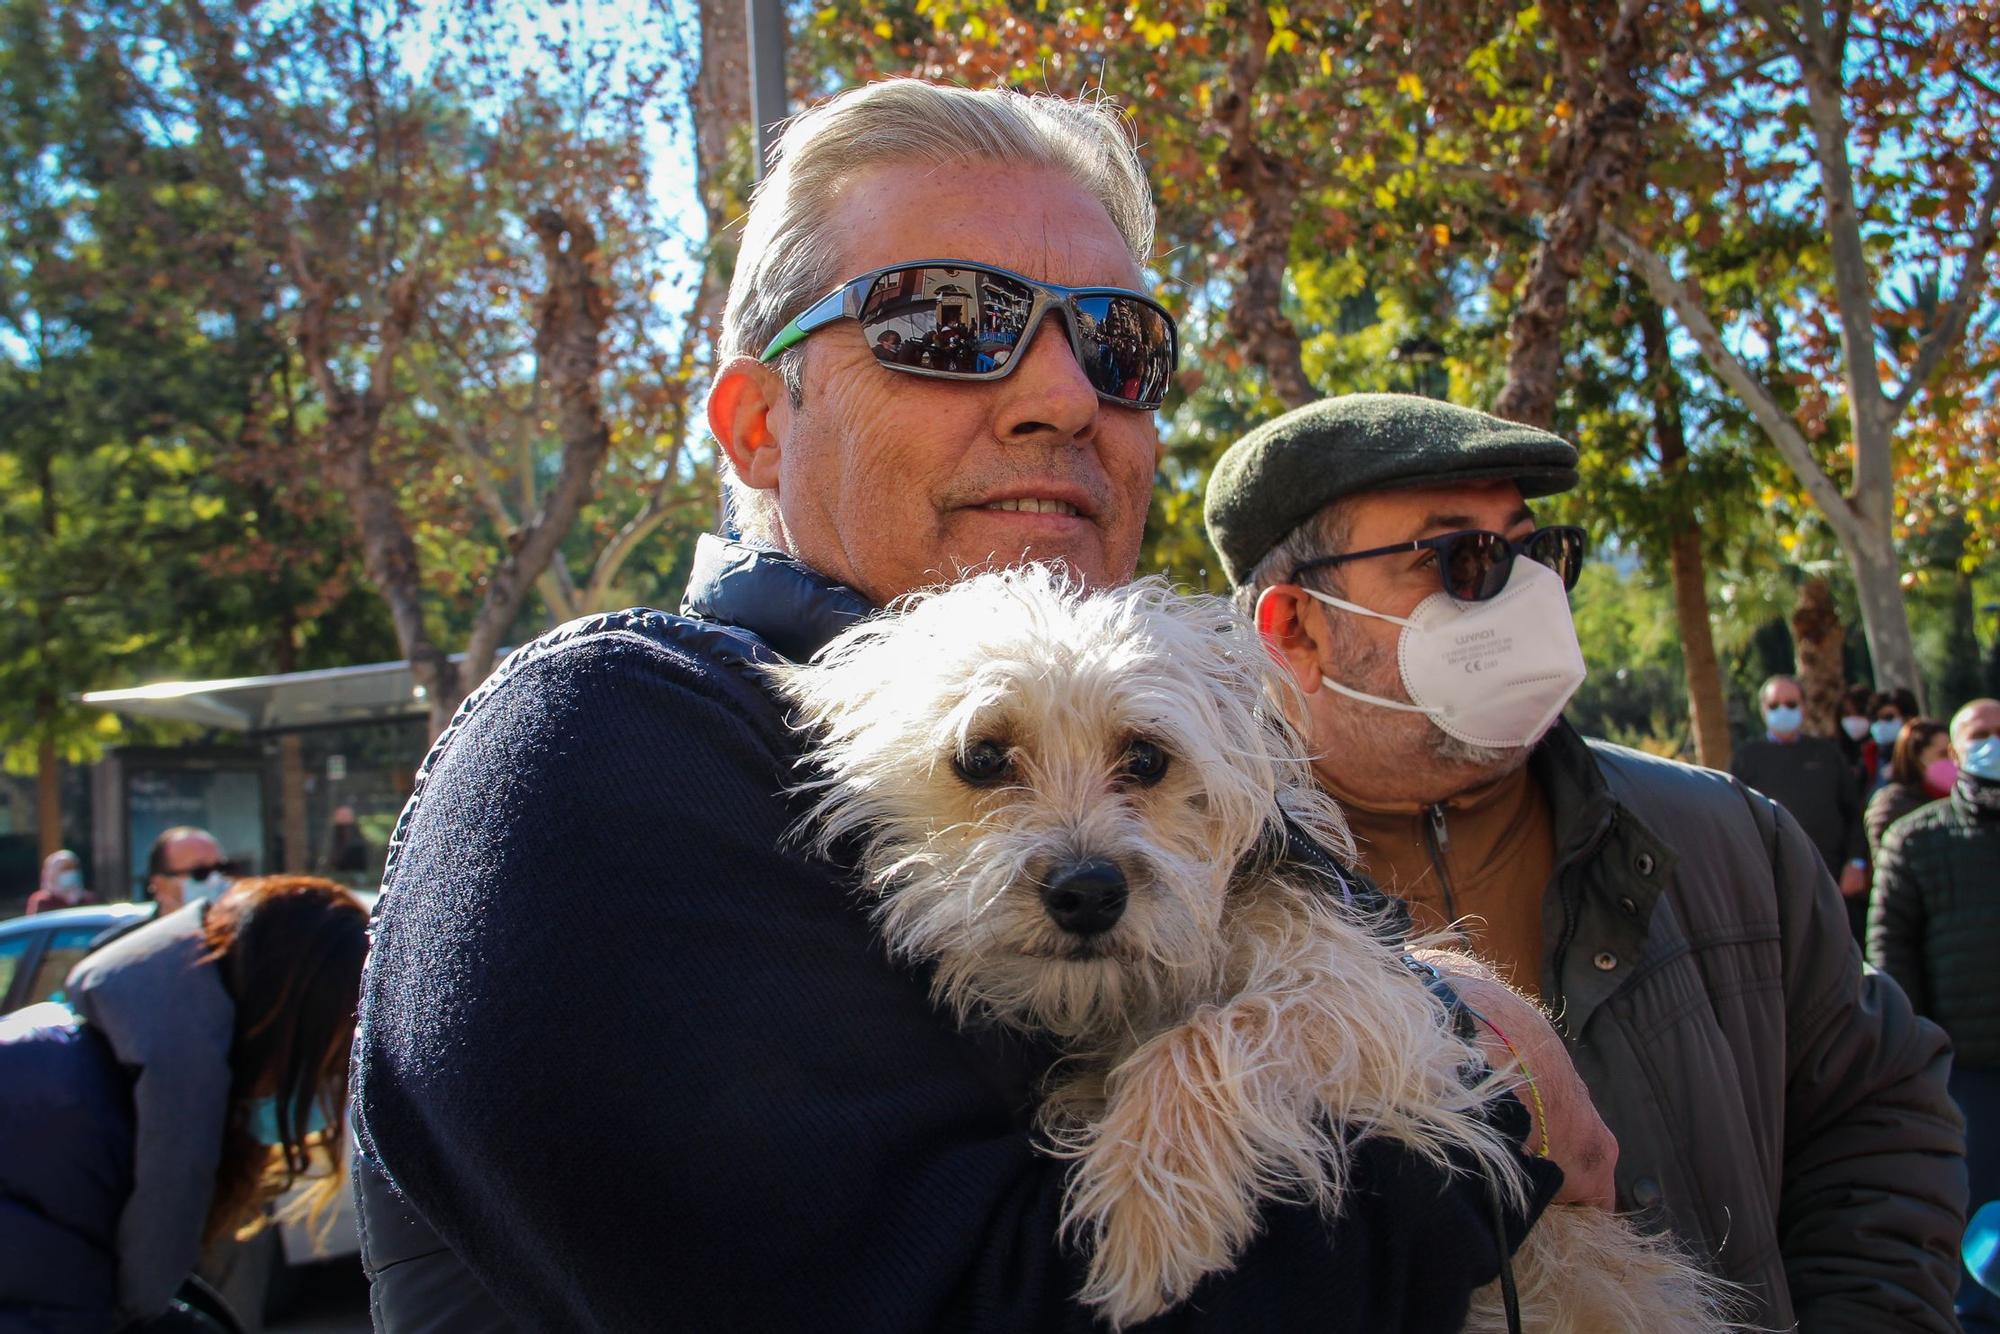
1371	668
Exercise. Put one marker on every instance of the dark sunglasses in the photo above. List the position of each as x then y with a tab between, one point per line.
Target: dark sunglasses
1473	565
953	320
203	872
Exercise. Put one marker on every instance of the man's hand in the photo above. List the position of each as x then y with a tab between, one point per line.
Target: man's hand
1853	879
1579	1141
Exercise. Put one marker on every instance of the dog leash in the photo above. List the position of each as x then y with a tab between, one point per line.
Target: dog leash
1301	846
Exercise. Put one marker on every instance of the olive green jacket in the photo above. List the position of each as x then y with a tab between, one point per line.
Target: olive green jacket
1776	1104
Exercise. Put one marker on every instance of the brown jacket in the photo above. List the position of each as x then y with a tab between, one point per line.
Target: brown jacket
1782	1107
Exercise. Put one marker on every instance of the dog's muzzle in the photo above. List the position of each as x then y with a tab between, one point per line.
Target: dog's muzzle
1086	899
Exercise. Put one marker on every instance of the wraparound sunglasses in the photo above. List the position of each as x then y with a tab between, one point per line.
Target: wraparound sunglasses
950	319
1473	565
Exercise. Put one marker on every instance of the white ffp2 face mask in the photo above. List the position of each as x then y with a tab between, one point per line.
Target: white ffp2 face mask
1493	673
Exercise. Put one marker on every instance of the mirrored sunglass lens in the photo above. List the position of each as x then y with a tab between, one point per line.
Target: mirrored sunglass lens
1128	348
934	318
1474	566
1561	549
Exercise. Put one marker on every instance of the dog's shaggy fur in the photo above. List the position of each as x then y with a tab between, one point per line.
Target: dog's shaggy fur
1237	1029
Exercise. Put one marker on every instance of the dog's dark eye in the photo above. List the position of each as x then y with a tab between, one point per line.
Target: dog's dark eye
982	763
1145	763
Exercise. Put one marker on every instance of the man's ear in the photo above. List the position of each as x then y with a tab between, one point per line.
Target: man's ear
746	393
1291	633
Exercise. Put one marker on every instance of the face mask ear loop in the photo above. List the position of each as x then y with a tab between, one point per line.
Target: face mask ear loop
1358	609
1376	700
1349	691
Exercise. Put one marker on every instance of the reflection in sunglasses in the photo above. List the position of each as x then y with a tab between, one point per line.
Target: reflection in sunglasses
966	320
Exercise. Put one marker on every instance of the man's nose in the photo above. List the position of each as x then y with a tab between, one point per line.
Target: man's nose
1048	396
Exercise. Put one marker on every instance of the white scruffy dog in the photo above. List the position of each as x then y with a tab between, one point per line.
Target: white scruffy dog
1071	804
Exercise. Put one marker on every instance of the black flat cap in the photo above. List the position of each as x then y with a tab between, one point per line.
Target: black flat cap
1287	470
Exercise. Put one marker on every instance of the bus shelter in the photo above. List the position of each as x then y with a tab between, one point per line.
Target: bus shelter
278	757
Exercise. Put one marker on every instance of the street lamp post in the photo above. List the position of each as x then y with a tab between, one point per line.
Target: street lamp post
766	33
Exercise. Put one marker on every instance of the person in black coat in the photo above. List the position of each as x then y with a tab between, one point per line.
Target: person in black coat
1811	779
198	1066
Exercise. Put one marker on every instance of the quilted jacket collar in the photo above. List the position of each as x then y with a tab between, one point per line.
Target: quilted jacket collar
787	604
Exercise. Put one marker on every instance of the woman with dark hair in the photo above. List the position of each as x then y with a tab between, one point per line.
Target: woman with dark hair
201	1070
1920	772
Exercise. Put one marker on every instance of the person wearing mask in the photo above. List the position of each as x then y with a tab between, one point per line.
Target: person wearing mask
197	1069
1921	771
1936	929
1889	711
1853	738
1809	777
62	884
1777	1106
185	865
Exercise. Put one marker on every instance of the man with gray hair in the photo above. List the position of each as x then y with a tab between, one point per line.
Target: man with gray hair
1777	1106
629	1056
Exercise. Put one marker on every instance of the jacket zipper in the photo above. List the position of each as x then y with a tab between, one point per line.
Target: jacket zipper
1437	841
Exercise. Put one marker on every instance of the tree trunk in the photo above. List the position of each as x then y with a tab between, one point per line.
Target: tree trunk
1819	640
1708	712
1270	191
292	803
1885	617
1595	164
721	112
48	778
569	322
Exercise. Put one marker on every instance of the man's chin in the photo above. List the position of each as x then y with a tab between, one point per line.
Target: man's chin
1487	761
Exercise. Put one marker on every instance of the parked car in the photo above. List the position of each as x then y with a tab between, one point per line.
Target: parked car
36	954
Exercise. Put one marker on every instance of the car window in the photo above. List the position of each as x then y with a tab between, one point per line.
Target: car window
66	946
12	950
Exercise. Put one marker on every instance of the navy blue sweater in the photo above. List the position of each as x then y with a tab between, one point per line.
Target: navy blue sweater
642	1064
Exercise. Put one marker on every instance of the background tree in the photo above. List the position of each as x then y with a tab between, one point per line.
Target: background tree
1767	82
464	258
129	537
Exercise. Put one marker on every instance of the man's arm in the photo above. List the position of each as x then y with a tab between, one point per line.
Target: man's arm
1873	1196
1896	925
628	1052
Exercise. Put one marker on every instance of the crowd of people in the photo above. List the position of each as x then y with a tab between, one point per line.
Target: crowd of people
1903	808
627	1053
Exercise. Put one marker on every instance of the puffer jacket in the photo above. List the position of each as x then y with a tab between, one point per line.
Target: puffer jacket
1935	926
1891	802
1783	1109
65	1171
111	1132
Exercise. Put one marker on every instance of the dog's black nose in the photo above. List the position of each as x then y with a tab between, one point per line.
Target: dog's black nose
1086	898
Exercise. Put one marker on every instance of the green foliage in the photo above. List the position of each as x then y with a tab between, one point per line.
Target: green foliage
176	174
